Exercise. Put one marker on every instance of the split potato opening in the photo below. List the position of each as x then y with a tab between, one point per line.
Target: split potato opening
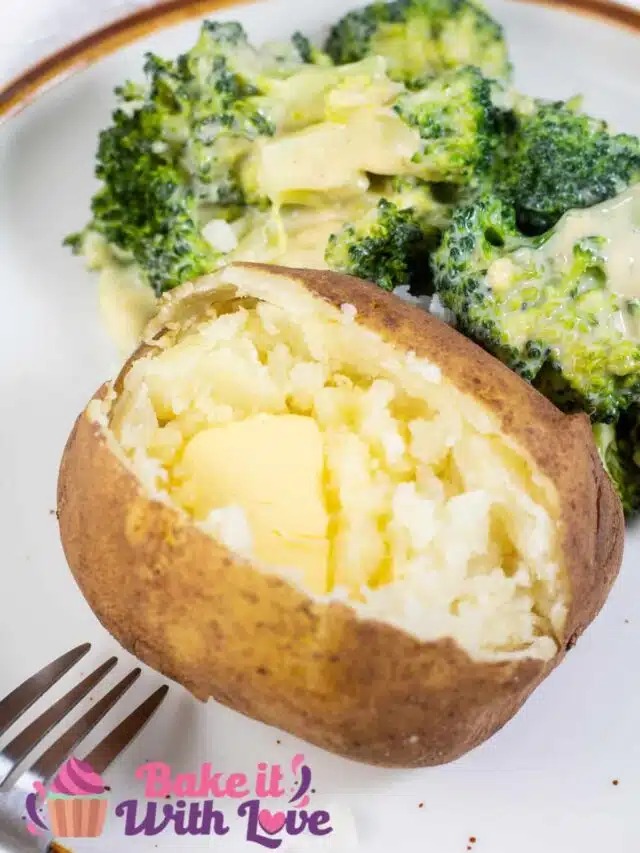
313	447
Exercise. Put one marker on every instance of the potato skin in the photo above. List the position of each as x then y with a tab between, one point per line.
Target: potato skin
363	689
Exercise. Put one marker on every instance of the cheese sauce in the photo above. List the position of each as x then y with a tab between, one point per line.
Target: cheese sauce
295	237
531	308
618	222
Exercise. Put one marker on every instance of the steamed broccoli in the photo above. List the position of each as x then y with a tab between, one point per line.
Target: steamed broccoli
422	38
205	109
391	243
174	148
460	126
618	448
389	246
446	133
547	305
145	208
559	159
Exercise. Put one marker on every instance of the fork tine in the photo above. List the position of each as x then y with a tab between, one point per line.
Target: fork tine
50	760
18	702
23	743
115	743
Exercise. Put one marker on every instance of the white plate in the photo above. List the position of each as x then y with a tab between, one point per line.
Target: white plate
542	784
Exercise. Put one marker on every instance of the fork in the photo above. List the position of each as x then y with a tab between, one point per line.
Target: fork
13	832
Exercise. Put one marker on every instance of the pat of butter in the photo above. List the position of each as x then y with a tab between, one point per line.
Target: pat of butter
271	466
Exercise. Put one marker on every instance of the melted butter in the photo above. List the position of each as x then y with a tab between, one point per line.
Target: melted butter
238	465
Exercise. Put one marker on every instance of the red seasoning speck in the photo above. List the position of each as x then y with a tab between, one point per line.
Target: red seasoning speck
615	782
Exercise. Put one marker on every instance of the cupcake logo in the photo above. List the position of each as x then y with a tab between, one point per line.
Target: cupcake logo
271	801
76	803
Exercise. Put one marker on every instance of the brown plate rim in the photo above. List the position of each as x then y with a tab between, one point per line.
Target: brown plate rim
78	55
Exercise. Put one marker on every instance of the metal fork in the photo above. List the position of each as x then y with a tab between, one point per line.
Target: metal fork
13	832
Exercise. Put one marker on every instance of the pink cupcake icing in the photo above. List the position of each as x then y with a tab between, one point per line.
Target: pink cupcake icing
77	778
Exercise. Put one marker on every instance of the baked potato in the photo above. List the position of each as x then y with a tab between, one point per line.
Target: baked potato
321	506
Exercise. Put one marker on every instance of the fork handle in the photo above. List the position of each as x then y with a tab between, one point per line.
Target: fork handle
14	835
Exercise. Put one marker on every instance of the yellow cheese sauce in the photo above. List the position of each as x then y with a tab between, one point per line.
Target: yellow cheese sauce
614	228
293	237
316	179
334	158
618	222
126	305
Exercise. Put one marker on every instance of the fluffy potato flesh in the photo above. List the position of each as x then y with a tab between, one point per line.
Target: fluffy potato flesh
318	450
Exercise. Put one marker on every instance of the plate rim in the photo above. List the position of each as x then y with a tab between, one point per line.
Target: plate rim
79	54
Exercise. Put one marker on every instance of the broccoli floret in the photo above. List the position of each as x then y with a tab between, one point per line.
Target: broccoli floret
207	108
422	38
146	208
389	246
182	148
175	146
559	159
618	448
546	305
460	127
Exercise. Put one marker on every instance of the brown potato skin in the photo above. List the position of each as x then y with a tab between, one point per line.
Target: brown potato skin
189	608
